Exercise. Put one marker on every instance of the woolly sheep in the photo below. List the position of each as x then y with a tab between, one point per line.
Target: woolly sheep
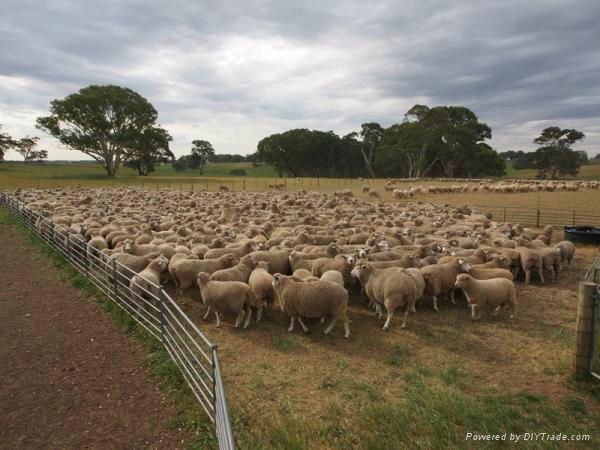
261	285
144	286
186	270
497	293
240	272
312	300
222	296
567	251
334	276
392	288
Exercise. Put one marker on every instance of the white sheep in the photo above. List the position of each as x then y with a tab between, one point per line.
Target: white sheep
222	296
497	293
312	300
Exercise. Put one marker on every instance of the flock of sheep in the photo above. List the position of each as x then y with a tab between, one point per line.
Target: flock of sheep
304	252
505	187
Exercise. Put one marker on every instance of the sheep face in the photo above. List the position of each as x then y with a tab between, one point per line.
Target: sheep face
127	245
383	246
464	266
358	270
462	280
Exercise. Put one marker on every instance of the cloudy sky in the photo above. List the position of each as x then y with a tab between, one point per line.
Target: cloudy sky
234	71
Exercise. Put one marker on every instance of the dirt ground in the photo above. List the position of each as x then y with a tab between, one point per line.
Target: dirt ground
70	377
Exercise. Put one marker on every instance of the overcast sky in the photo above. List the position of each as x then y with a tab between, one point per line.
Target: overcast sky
233	72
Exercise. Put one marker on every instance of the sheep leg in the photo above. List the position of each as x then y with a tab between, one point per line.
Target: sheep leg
248	316
435	306
205	316
218	318
304	327
406	309
386	325
473	312
322	319
291	328
346	328
527	276
334	319
452	297
541	273
259	313
239	318
497	311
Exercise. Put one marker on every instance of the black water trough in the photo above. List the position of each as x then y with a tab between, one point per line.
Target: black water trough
583	235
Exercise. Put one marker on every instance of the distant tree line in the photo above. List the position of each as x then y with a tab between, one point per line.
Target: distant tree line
440	141
117	126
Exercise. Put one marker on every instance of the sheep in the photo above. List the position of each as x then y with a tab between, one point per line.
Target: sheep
567	251
220	296
440	279
341	263
297	262
334	276
312	300
128	265
393	288
237	251
146	284
186	270
551	260
497	261
240	272
261	285
529	259
278	260
486	273
497	293
304	275
131	247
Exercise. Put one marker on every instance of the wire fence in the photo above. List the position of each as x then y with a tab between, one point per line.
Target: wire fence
539	217
150	306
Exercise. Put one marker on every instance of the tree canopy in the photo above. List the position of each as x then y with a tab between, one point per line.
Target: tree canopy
555	157
109	123
312	153
440	141
6	143
26	148
151	150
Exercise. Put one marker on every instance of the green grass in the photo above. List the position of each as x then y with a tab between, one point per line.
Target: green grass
167	375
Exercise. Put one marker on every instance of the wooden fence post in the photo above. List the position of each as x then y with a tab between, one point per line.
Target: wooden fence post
585	328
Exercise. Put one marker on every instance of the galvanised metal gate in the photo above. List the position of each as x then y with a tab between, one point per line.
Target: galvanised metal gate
150	306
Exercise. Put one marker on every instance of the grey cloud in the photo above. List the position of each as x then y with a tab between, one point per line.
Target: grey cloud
258	67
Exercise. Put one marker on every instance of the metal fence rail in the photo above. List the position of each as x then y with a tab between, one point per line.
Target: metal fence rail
539	217
150	306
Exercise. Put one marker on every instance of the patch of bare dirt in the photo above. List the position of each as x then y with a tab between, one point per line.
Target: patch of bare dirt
70	378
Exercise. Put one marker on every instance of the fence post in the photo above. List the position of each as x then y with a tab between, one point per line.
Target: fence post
161	301
114	277
68	246
537	218
586	312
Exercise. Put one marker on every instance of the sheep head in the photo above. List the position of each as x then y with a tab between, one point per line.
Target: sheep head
462	280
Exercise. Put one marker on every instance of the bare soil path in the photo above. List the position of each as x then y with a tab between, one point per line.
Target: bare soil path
69	378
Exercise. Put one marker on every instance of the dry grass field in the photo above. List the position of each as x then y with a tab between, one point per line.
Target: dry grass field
422	387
